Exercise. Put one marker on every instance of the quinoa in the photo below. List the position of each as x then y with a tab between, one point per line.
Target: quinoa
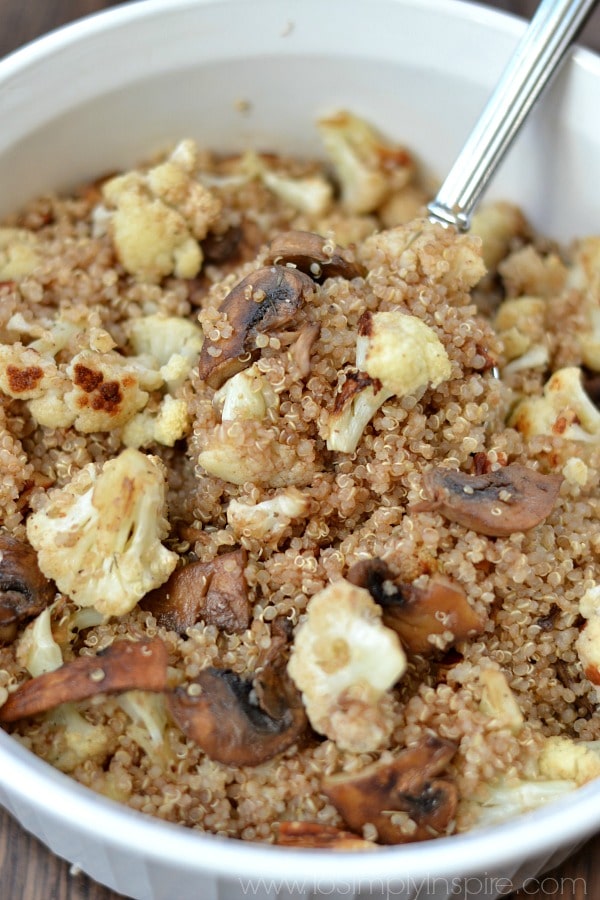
525	587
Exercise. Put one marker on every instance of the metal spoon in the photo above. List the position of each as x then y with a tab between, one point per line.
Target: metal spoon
537	58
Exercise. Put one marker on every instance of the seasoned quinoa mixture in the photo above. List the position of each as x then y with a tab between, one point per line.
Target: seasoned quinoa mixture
299	497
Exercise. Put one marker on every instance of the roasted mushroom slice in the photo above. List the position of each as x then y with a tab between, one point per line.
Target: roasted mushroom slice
317	256
262	302
513	498
315	836
124	666
24	590
418	614
216	592
406	785
237	721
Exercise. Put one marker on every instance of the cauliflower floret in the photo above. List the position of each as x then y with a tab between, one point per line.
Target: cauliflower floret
95	391
527	272
175	343
561	766
99	537
18	255
166	426
344	660
75	740
311	194
588	642
584	276
395	354
37	651
563	409
563	758
26	374
521	323
243	450
357	401
367	167
424	251
160	216
503	801
497	224
575	472
246	395
537	357
268	520
149	722
49	336
402	352
107	389
498	701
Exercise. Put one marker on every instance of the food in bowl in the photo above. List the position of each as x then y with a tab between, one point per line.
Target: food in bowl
300	531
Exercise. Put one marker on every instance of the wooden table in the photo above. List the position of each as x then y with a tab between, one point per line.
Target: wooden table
28	871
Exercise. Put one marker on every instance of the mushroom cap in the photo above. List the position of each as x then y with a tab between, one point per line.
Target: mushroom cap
237	721
265	300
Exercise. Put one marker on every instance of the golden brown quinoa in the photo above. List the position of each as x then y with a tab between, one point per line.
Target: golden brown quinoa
527	585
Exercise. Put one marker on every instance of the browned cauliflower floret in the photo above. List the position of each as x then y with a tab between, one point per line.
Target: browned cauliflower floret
158	217
344	660
396	353
99	537
18	255
106	390
564	409
26	374
367	167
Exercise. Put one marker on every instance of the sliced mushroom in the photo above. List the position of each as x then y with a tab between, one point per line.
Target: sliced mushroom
313	835
216	592
24	590
262	302
317	256
407	784
124	666
236	721
514	498
416	613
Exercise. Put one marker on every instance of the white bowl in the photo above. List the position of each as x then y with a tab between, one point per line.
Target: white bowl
107	91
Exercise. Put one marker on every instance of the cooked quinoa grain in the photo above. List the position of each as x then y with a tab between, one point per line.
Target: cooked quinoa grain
284	465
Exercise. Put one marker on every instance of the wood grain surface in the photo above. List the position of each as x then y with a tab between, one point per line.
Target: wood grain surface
28	871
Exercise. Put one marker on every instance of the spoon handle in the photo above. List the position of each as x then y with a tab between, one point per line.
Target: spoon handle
553	28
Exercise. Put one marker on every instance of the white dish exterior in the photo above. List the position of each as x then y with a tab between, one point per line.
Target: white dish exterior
107	92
